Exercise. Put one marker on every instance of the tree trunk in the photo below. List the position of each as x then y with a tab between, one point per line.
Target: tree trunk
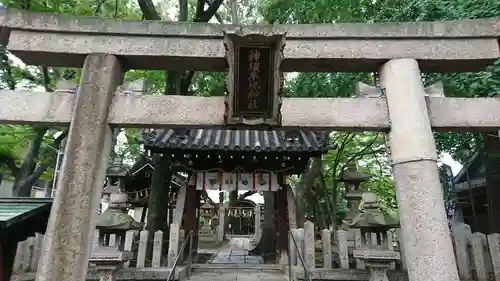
158	199
267	244
320	216
282	222
22	184
304	186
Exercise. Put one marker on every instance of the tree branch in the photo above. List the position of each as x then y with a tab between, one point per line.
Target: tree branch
11	83
46	79
217	15
361	152
98	6
209	12
246	194
148	10
200	7
234	12
42	167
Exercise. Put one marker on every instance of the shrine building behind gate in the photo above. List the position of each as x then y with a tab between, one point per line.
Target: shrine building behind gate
242	160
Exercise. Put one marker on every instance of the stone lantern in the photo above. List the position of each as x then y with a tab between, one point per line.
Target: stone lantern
206	214
116	173
353	179
113	224
375	249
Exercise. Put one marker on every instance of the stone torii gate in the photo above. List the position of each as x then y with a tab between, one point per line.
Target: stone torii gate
106	48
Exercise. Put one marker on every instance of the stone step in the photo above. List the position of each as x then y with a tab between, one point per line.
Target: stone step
270	268
237	272
236	277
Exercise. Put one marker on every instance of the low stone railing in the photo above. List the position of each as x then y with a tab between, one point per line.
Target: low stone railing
339	253
28	251
478	255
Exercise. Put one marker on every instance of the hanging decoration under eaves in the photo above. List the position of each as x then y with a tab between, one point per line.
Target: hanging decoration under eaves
237	181
254	80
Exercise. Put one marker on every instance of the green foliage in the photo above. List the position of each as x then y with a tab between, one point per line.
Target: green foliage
459	145
480	84
15	139
209	84
367	151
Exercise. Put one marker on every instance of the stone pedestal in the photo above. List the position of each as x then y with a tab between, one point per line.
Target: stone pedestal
428	247
220	228
378	261
206	214
108	260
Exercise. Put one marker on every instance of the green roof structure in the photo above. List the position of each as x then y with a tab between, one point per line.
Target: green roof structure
20	218
13	210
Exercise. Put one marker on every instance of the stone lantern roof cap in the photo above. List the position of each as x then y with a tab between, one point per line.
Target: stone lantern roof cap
372	217
111	189
117	168
351	174
115	219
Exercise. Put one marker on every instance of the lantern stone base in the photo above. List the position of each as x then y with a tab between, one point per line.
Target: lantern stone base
107	260
378	261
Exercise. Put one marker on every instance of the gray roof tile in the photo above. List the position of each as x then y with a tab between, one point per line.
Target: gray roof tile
238	140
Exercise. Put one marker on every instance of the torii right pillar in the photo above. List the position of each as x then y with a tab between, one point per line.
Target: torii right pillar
425	233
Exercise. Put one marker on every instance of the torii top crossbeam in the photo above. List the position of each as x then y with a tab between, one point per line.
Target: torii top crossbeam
57	40
402	107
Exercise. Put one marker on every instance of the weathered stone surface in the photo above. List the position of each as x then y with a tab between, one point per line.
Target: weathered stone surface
157	249
220	227
291	246
309	244
437	45
347	274
17	19
482	259
292	209
37	247
474	113
326	243
459	114
343	250
461	235
173	245
358	243
401	248
143	245
494	248
428	246
79	186
132	274
129	239
257	223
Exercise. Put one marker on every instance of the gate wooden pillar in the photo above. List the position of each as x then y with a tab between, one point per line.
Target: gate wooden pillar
427	242
72	220
190	220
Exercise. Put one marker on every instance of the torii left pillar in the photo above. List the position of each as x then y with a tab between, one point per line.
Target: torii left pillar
72	221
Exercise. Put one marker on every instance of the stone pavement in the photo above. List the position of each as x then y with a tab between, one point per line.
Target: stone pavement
235	252
233	263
